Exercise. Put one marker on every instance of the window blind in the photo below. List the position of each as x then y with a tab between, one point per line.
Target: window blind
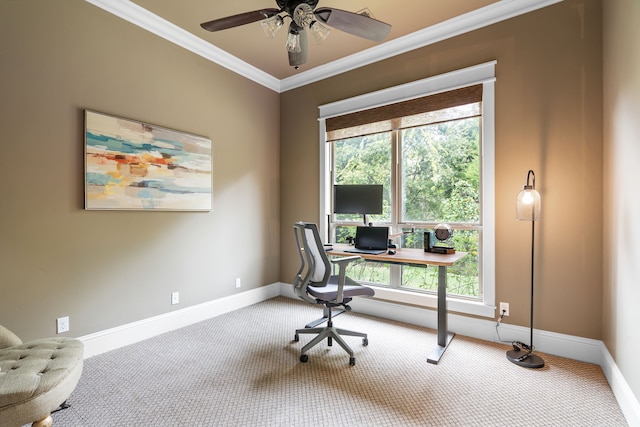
413	112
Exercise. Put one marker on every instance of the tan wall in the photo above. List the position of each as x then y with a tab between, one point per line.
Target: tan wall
548	118
105	269
621	159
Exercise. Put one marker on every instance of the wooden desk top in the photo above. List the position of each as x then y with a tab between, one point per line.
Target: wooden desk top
403	256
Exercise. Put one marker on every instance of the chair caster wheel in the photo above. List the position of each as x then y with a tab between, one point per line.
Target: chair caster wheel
352	361
304	358
296	338
365	342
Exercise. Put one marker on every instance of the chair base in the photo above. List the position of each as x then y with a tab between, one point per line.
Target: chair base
330	333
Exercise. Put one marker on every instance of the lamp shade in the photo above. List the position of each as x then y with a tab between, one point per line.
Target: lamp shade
293	41
528	201
319	31
272	25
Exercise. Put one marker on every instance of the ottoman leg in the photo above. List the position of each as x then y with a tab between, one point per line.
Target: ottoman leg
45	422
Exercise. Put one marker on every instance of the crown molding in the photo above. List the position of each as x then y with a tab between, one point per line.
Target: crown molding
151	22
483	17
496	12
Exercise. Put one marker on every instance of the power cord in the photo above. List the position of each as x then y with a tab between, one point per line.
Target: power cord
517	345
498	326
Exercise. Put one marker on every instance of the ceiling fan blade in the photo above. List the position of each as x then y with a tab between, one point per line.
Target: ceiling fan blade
298	58
240	19
353	23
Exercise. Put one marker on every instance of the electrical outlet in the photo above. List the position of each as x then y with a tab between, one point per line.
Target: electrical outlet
62	324
175	298
238	282
504	307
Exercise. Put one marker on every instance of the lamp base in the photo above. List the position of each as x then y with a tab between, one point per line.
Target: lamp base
525	359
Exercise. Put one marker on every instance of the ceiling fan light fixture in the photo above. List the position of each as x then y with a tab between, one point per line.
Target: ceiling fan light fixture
303	15
293	42
270	26
320	32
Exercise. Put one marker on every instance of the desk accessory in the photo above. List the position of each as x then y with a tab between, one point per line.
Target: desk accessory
443	232
443	250
428	241
437	242
392	245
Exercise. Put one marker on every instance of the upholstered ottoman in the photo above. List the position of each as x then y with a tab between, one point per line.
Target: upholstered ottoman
36	377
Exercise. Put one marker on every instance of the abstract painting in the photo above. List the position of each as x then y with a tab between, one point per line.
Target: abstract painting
130	165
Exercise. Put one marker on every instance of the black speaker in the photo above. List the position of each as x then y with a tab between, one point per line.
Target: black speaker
427	241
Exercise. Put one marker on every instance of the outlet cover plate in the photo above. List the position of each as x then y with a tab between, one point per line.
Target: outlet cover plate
504	306
62	324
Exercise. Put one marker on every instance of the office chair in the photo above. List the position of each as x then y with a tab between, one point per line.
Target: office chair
315	284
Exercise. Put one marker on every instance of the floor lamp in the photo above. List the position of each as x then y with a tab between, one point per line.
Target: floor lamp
528	209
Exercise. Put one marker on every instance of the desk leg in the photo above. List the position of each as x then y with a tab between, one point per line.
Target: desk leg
444	337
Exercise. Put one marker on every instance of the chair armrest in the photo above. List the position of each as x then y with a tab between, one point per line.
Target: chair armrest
342	269
345	260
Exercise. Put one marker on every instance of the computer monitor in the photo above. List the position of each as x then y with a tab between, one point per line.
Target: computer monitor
357	199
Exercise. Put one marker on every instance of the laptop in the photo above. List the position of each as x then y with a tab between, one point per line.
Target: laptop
370	240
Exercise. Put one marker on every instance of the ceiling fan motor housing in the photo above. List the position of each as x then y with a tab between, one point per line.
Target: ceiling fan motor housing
290	5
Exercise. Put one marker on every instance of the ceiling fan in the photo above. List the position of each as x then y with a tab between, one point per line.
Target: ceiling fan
304	15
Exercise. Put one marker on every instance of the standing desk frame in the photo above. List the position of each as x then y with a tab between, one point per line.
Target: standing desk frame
405	256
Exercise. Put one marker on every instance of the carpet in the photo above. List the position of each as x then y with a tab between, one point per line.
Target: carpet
242	369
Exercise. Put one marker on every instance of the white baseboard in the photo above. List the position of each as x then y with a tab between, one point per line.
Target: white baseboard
583	349
131	333
577	348
624	395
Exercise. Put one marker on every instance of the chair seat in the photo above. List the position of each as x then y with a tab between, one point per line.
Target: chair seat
330	291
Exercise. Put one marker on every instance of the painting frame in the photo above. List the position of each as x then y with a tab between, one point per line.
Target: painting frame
134	165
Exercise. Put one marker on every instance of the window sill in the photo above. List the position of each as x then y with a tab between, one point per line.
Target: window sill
431	301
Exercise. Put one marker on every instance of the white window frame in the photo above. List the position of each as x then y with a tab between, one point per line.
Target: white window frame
479	74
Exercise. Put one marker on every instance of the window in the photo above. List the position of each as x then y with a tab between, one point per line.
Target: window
430	143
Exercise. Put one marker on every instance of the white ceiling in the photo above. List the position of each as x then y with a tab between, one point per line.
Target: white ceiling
248	51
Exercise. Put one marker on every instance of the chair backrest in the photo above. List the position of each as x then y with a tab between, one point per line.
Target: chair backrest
315	267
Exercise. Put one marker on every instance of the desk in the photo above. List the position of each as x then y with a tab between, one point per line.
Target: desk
421	258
